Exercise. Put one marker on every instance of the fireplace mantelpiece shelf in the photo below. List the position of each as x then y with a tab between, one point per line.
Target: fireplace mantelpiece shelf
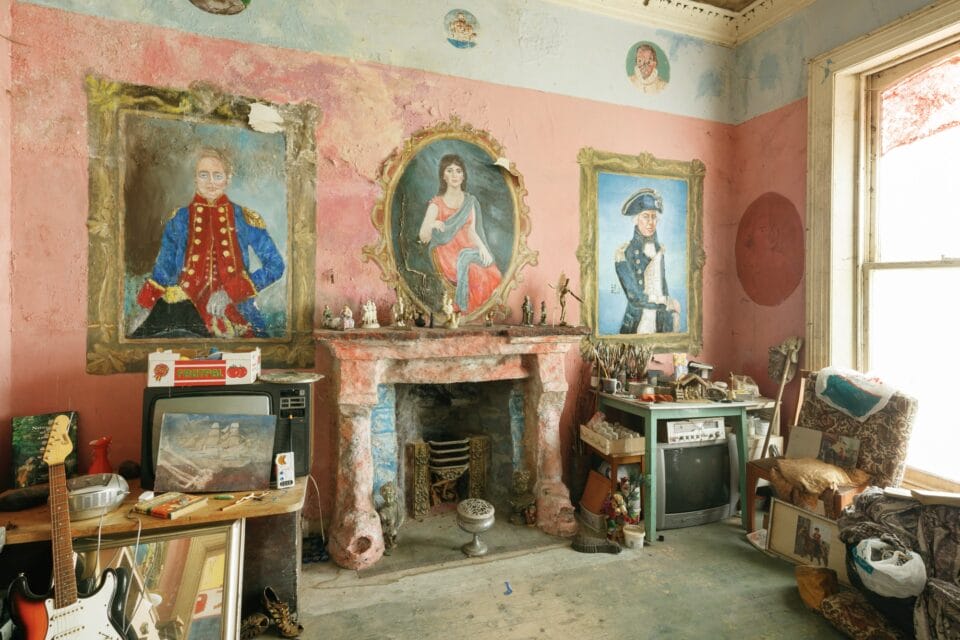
363	359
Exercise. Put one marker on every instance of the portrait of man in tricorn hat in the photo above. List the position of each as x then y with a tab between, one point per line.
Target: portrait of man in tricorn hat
640	267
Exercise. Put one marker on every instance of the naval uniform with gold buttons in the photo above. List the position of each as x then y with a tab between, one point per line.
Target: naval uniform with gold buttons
205	248
631	262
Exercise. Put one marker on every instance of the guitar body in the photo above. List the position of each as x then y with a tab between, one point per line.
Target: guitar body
89	618
62	614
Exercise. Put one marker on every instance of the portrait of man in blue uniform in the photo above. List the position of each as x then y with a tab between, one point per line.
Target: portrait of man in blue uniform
642	255
215	257
641	269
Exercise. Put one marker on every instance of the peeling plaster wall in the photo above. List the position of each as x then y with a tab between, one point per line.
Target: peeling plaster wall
532	44
368	111
545	81
771	68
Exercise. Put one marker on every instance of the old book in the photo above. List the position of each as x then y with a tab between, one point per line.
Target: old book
170	505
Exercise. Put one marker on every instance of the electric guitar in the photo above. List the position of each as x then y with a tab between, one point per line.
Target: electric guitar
62	615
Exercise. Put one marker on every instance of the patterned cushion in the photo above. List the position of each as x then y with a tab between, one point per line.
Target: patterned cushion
883	436
850	613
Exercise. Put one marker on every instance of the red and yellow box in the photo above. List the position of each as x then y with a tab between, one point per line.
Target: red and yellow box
169	369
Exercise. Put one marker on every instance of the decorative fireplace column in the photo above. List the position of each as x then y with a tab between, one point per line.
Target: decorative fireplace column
363	359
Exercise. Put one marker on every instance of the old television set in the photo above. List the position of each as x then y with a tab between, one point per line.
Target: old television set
292	403
697	482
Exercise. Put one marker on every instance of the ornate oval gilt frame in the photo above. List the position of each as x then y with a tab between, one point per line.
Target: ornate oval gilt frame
636	172
407	187
111	106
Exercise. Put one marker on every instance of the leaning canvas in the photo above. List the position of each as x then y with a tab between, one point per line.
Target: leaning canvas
29	435
214	452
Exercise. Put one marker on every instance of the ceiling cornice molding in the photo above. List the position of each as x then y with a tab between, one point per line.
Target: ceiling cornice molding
763	14
722	26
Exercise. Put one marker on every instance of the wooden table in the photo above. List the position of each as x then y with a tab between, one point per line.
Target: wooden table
652	414
33	525
270	531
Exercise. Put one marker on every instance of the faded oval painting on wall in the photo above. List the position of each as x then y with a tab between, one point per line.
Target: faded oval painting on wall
770	249
221	7
461	27
648	68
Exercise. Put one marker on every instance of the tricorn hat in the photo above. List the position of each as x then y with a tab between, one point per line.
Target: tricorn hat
645	199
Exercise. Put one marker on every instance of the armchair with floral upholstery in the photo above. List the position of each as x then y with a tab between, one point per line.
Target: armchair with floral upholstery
883	438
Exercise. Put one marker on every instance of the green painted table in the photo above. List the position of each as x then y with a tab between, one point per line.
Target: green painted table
655	412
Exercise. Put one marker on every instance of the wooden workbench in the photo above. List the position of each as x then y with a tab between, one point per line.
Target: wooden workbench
33	525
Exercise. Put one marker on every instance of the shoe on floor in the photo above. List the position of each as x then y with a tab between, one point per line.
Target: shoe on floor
279	612
254	625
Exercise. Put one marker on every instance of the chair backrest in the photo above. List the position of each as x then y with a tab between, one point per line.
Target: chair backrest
884	436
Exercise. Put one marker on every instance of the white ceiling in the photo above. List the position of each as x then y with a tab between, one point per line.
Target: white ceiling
726	22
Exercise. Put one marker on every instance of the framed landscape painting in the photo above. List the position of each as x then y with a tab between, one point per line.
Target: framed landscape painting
641	249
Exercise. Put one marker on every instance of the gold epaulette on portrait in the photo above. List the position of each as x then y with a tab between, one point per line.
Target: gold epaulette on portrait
253	218
621	253
172	214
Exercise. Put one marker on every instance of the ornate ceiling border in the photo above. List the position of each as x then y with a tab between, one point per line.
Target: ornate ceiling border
725	27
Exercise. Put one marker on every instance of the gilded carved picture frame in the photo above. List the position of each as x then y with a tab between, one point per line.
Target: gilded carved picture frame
641	249
146	145
464	239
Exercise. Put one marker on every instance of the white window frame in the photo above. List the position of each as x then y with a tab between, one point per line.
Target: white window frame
838	179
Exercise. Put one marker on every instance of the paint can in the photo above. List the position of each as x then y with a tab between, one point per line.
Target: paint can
633	536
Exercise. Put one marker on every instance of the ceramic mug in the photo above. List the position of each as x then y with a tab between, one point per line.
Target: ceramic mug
611	385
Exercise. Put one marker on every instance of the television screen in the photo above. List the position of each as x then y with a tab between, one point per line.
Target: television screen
696	483
696	478
251	405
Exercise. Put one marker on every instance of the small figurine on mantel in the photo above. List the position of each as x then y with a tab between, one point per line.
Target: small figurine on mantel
451	317
391	517
526	312
563	289
346	318
369	317
328	321
543	313
399	311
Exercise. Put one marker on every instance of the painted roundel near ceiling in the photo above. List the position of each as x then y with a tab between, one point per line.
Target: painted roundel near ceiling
770	249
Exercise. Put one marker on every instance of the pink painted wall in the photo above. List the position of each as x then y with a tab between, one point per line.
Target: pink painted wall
5	220
770	154
368	110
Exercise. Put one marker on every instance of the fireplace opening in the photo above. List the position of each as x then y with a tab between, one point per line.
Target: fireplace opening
443	443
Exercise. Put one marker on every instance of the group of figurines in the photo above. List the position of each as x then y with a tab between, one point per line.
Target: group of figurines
403	314
622	507
523	508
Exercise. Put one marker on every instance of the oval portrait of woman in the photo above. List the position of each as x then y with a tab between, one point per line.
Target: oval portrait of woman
453	221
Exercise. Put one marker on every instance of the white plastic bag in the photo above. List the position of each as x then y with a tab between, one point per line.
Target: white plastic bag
888	572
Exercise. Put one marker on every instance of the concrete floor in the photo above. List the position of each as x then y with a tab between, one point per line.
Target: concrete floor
700	582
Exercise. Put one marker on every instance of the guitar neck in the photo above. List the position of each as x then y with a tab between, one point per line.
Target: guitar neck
65	580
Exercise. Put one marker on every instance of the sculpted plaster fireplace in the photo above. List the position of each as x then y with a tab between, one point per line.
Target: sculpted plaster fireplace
365	359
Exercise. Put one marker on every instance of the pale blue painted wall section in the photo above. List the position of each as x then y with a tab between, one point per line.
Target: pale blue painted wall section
530	44
771	68
538	45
